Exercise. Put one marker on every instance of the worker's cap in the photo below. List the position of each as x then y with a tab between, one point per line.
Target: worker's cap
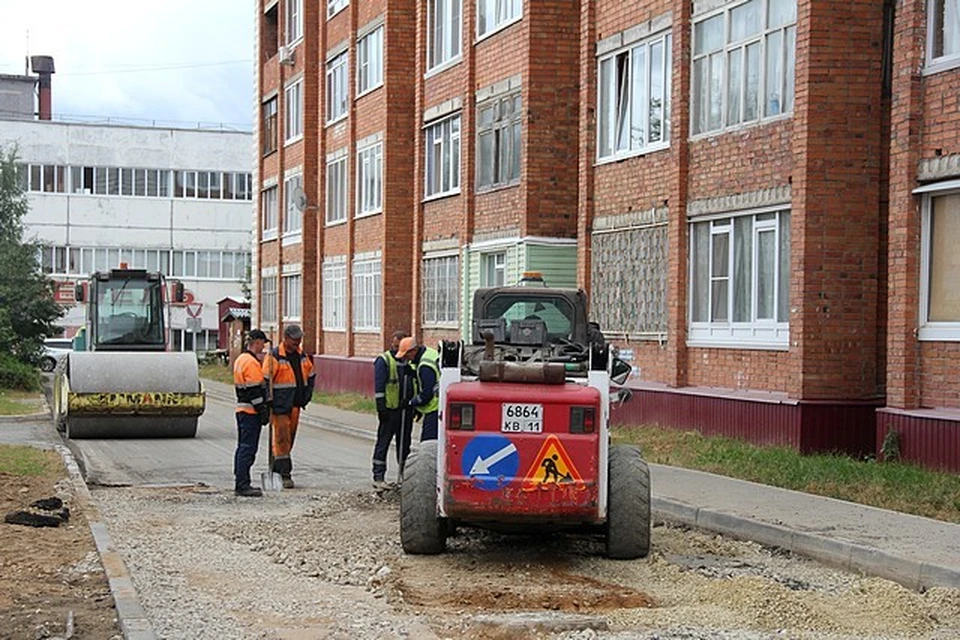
406	345
256	334
293	331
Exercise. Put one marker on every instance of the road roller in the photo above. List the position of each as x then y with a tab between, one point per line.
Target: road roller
120	381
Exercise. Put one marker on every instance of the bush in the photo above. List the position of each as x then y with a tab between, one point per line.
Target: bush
15	374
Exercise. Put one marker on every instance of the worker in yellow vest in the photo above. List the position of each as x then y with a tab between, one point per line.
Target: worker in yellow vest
390	379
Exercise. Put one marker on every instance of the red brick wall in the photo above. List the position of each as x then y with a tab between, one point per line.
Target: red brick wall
757	157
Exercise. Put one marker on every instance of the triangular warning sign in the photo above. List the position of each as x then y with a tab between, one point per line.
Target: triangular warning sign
552	466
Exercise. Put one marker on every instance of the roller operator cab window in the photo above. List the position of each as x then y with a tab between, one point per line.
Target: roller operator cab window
129	312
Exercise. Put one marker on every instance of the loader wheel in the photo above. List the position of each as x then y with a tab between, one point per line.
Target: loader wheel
421	531
628	506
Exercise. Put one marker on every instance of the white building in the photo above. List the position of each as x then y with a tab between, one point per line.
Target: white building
174	200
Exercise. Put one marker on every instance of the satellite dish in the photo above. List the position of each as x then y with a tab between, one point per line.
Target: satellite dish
300	200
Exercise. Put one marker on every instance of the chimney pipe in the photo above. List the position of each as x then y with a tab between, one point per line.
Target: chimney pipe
43	67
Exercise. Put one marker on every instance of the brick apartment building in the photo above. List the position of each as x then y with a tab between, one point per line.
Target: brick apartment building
747	189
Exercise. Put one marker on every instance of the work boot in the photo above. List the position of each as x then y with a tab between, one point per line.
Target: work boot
288	482
249	492
380	485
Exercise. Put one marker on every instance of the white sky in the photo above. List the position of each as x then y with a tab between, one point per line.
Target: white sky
107	54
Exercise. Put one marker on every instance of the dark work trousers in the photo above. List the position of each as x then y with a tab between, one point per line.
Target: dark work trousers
428	428
248	440
398	424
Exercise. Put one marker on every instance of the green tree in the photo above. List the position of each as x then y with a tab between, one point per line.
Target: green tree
27	306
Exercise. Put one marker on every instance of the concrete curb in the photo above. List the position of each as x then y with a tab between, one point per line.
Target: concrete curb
844	554
130	615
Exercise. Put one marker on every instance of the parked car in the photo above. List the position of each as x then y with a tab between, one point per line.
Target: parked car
53	350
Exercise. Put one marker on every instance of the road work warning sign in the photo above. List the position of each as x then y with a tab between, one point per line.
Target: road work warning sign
552	466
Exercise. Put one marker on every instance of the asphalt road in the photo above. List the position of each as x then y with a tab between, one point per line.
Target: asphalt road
321	459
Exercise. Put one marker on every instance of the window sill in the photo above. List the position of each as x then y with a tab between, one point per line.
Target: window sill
940	65
367	92
498	28
340	118
335	223
367	330
292	46
741	336
440	196
939	332
268	236
337	12
743	126
268	153
292	239
482	191
335	329
444	326
295	139
291	318
443	66
368	214
653	148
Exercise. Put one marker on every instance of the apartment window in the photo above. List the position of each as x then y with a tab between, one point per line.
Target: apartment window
443	31
940	286
294	20
269	212
293	102
337	190
370	61
739	280
634	99
334	295
443	157
292	296
498	141
366	295
334	6
943	41
493	269
494	14
743	64
268	299
270	126
337	87
370	179
292	215
441	291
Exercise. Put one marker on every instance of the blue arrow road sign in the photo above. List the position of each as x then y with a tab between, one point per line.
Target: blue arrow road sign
491	459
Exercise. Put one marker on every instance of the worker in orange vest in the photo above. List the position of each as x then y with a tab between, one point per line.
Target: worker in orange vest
290	379
252	410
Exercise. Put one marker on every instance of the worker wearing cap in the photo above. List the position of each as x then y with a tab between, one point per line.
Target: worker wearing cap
290	379
423	363
252	410
390	381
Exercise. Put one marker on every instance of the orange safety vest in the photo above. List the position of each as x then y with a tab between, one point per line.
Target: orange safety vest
248	383
282	380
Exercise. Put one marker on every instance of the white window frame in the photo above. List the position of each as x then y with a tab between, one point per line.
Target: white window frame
442	142
268	299
370	180
756	332
270	212
370	62
366	290
293	112
293	22
496	15
338	87
715	58
337	191
292	296
336	6
441	290
943	331
444	33
493	269
937	29
292	217
621	85
334	295
501	130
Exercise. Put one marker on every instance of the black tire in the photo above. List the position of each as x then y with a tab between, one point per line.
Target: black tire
421	531
628	504
47	364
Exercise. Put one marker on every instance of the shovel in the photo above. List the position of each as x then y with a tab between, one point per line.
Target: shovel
271	481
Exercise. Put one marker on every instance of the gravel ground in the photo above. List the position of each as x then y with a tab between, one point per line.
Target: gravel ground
308	564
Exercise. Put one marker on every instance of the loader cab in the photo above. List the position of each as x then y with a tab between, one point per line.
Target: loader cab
125	311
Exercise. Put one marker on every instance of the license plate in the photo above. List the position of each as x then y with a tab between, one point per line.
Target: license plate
522	418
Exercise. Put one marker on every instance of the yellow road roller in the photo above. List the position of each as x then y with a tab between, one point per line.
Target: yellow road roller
120	381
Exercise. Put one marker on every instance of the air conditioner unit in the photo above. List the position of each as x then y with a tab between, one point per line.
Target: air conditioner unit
286	55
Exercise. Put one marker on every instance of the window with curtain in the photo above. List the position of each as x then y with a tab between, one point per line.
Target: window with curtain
443	31
334	295
940	277
442	153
